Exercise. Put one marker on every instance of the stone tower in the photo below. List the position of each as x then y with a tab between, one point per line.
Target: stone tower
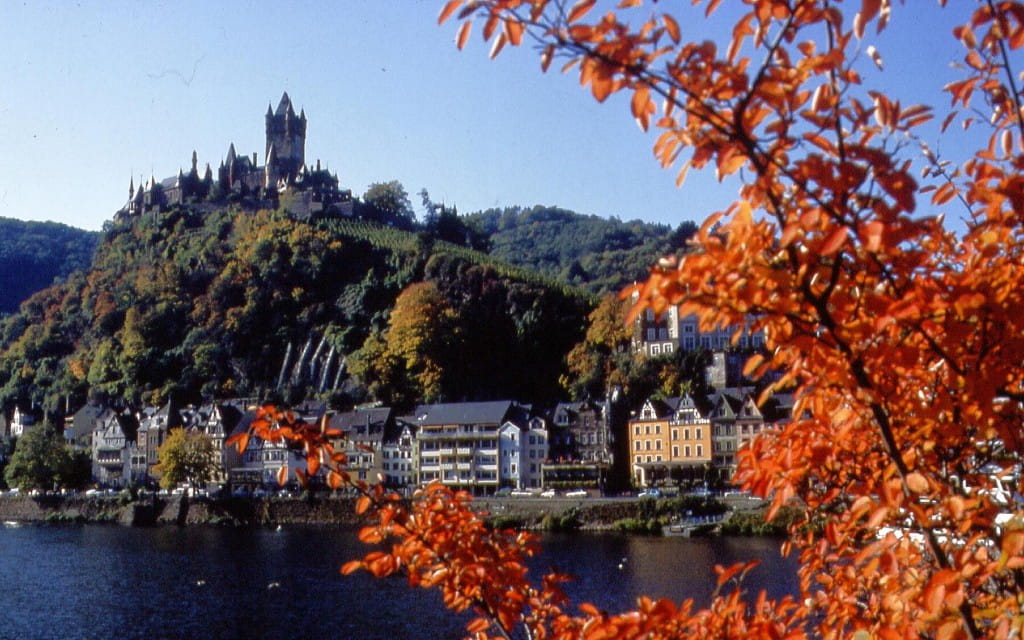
286	142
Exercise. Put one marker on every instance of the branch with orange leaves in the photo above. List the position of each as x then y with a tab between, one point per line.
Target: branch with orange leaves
440	542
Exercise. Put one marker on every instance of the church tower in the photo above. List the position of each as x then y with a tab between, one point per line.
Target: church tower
286	136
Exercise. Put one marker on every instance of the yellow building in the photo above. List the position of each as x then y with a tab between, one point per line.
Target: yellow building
669	439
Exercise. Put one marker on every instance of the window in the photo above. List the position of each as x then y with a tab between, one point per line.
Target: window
655	349
657	444
637	445
675	434
686	451
699	435
648	458
686	434
657	458
639	459
647	429
700	451
647	445
675	451
636	430
668	348
650	335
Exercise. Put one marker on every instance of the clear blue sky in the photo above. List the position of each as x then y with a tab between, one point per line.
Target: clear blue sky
95	93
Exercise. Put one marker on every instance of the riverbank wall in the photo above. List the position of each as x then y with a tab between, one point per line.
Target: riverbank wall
548	514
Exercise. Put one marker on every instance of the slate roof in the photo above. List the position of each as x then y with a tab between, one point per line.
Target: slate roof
494	412
363	423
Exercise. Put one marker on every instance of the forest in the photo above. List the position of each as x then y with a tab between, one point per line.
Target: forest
32	254
218	303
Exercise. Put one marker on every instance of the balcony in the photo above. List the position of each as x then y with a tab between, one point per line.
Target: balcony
464	451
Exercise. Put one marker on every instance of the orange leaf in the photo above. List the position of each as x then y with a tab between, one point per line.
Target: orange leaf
917	482
351	567
282	476
834	241
463	35
873	235
672	27
579	10
448	10
362	504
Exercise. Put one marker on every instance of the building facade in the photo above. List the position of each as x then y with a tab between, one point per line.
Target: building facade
669	439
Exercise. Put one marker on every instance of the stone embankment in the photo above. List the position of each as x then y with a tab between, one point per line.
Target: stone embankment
155	510
530	513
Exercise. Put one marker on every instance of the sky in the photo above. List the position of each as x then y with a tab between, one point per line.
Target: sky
98	93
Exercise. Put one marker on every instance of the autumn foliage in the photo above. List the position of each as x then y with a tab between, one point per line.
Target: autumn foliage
902	338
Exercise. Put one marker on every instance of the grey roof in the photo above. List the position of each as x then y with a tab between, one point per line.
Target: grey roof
494	412
376	417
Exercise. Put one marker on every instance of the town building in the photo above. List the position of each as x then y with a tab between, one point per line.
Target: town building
737	419
459	444
669	440
656	335
580	443
113	444
363	434
522	450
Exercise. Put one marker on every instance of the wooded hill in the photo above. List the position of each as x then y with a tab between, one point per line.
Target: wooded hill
598	254
210	304
32	254
229	302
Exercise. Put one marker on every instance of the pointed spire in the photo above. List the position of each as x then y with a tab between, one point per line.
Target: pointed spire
270	111
231	154
195	162
284	106
131	188
177	182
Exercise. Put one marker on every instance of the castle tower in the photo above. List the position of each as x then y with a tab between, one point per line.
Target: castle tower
286	135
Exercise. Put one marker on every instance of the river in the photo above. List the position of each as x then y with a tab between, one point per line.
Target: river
92	581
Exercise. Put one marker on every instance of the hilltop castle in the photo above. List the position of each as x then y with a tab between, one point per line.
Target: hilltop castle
309	191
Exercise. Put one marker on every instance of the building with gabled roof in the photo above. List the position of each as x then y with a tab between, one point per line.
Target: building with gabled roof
364	433
669	438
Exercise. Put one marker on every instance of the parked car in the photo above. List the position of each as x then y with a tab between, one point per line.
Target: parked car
550	493
650	493
577	493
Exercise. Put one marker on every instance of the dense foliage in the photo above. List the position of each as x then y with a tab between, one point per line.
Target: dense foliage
42	460
33	254
218	302
598	254
187	456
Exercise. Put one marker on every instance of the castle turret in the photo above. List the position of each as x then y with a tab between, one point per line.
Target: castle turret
286	133
195	163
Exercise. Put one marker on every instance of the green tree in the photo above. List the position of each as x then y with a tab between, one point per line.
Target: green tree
42	460
186	456
388	203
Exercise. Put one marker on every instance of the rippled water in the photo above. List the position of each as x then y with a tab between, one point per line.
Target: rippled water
112	582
